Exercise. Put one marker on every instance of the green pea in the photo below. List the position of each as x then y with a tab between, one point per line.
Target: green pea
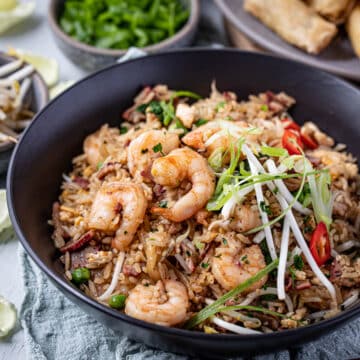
80	275
117	301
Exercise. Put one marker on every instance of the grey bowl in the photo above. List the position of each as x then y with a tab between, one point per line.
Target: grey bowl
92	58
38	96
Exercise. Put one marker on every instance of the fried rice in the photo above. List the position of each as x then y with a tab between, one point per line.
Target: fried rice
273	246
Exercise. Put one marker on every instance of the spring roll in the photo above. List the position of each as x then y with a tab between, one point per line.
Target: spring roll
353	28
334	10
295	22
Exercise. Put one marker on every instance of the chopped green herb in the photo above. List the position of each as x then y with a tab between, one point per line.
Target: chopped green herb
265	208
156	108
199	245
204	265
276	190
158	148
264	107
229	118
224	241
220	105
142	108
123	130
265	251
163	204
292	274
99	165
305	196
116	24
298	262
200	122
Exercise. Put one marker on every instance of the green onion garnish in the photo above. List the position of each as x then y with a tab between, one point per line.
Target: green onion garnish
212	309
273	151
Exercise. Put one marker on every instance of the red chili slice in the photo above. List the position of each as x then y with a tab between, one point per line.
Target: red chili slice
290	124
320	244
291	142
309	141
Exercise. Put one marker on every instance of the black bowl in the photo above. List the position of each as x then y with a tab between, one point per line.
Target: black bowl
56	135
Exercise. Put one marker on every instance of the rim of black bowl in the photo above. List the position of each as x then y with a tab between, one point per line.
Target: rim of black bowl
37	82
194	9
329	324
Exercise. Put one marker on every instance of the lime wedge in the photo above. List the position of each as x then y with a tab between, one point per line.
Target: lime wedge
8	317
6	5
10	15
47	67
4	214
59	88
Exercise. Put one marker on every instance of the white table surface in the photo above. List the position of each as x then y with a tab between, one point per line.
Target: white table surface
33	35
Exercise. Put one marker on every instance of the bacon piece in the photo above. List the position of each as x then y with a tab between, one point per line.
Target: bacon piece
83	183
303	285
73	245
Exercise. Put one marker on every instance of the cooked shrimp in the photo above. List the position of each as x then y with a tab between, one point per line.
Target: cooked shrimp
214	135
108	203
179	165
141	150
186	114
236	265
245	218
164	304
94	149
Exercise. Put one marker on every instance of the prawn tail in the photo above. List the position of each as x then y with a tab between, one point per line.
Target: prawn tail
166	213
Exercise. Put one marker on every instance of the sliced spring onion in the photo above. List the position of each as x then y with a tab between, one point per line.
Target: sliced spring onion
213	308
305	249
237	315
322	199
235	199
273	151
284	190
232	327
280	281
186	93
272	187
251	308
216	158
115	278
260	200
270	290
